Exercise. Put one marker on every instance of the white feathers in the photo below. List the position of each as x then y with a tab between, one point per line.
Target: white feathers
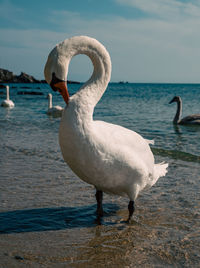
7	103
110	157
54	111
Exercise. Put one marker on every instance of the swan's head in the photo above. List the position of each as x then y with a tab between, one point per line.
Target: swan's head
55	72
49	96
175	99
56	68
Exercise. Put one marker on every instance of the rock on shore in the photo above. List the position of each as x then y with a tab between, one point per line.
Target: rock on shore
8	77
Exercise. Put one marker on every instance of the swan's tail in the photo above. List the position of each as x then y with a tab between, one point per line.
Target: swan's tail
160	170
150	142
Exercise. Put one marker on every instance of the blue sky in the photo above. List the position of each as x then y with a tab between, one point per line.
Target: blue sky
148	40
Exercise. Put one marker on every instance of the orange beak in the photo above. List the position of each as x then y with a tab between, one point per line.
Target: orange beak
62	88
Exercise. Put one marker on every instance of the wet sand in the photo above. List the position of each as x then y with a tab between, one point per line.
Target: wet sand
50	221
149	241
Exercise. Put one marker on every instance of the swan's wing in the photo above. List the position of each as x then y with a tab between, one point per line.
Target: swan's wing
57	107
120	135
8	103
125	141
190	118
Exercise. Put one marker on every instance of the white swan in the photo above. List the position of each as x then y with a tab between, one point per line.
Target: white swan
112	158
188	120
7	103
55	111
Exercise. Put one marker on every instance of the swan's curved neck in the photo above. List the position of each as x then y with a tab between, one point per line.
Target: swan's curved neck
49	101
7	93
91	92
178	112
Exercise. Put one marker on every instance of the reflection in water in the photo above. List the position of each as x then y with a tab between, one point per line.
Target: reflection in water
177	129
179	138
134	244
7	112
181	129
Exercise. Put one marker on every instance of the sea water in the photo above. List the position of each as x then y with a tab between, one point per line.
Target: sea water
47	214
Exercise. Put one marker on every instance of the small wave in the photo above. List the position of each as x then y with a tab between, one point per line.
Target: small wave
188	157
34	152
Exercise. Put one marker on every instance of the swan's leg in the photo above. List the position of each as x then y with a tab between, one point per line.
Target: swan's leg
131	209
99	198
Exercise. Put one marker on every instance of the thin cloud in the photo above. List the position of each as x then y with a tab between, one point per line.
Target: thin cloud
146	50
171	9
9	11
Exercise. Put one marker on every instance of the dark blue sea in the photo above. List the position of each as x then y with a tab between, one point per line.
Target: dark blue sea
47	214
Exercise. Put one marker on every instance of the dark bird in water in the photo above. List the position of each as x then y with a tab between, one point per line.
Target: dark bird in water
193	119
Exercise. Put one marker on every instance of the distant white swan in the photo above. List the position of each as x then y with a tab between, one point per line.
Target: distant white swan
188	120
55	111
114	159
7	103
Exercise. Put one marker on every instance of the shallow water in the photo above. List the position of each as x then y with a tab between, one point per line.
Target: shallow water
47	214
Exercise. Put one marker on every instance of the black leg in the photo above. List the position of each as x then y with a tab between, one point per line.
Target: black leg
131	209
99	198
